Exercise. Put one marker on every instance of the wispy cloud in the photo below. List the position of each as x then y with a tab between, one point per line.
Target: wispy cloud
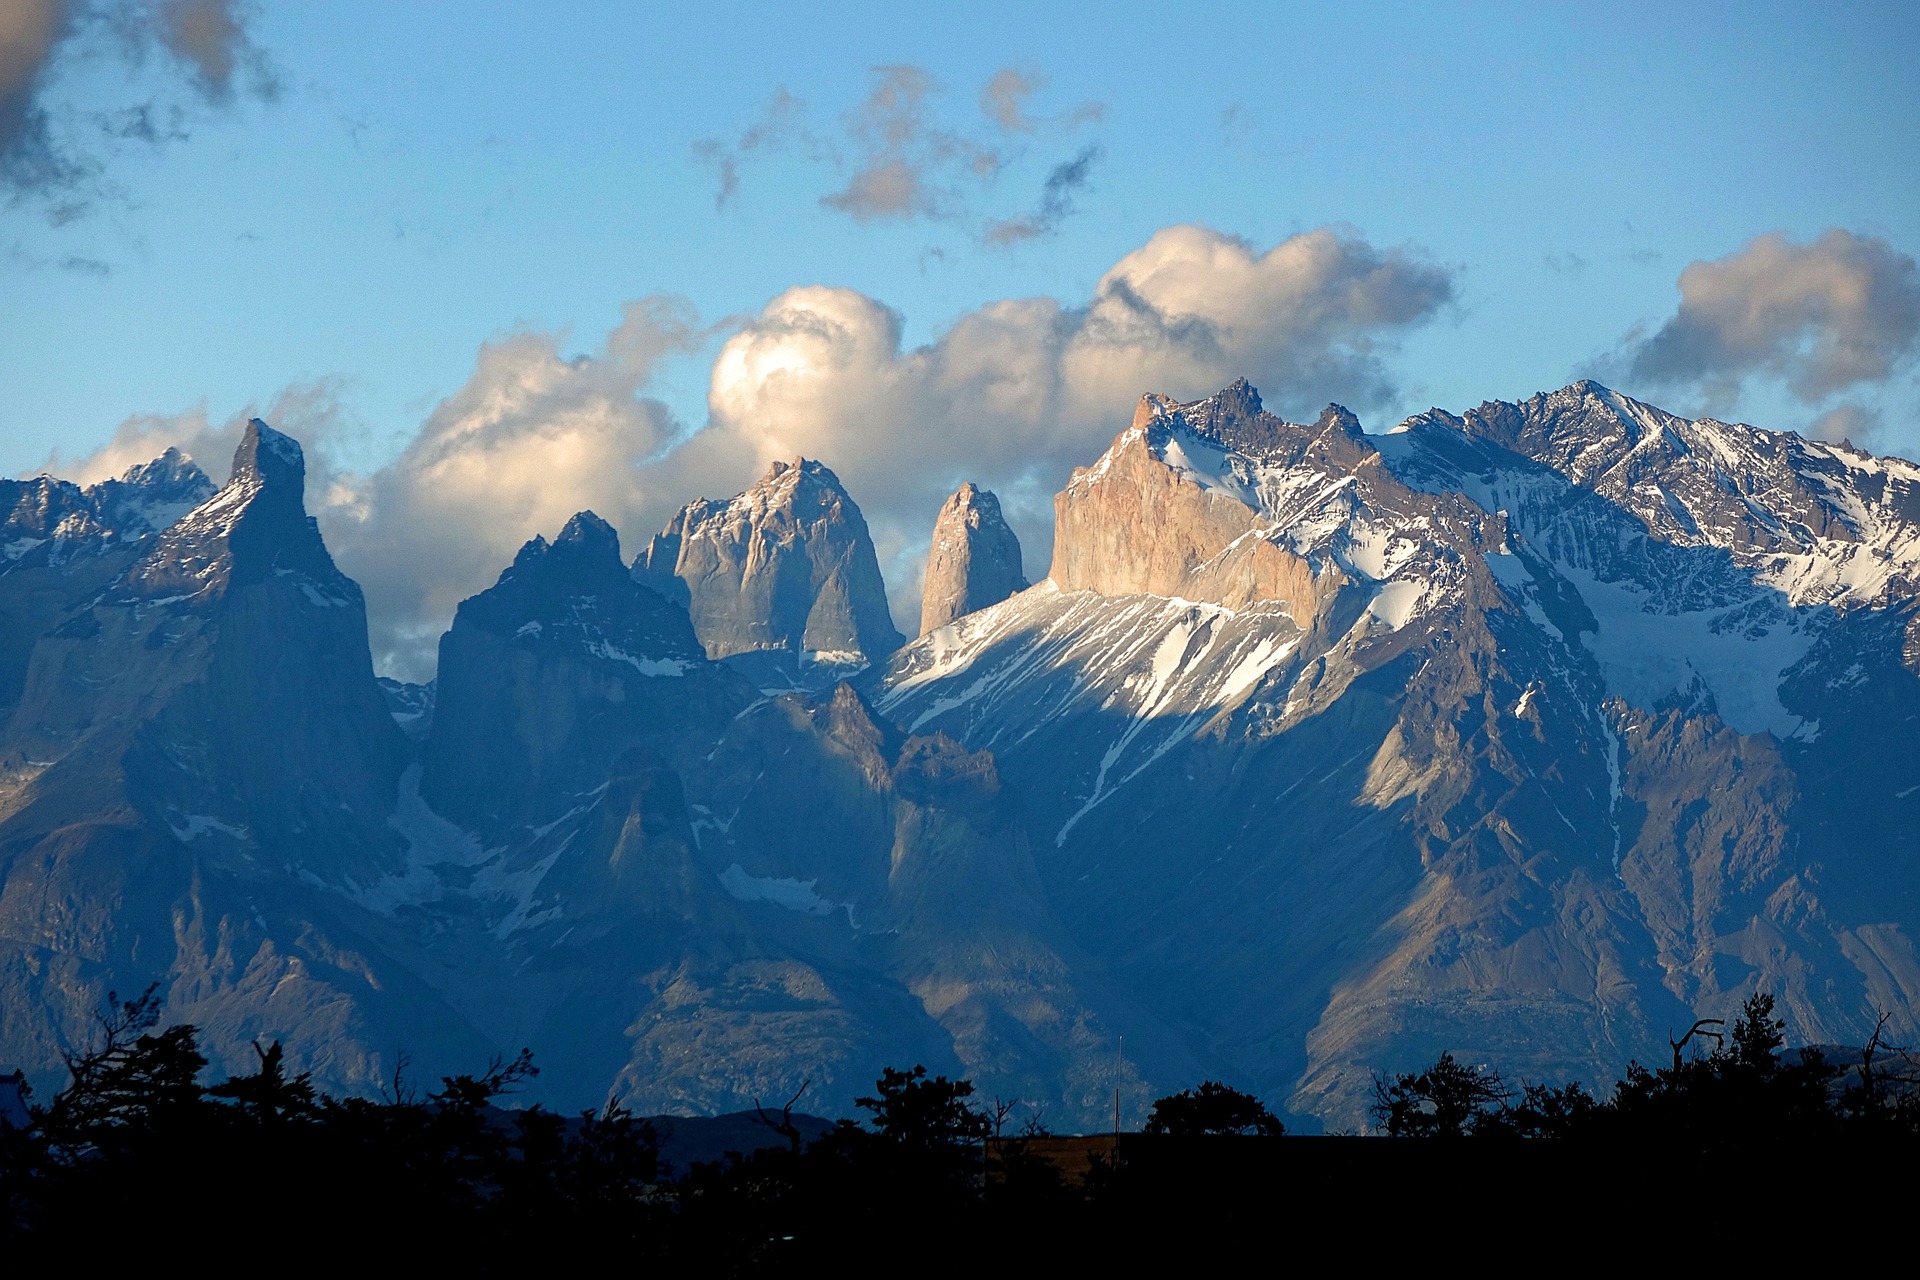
907	166
905	158
30	158
782	120
210	40
1004	99
1065	181
54	159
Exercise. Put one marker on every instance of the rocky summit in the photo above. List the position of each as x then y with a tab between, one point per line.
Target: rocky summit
787	567
973	562
1529	732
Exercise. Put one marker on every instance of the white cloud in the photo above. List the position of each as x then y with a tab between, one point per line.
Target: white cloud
1016	393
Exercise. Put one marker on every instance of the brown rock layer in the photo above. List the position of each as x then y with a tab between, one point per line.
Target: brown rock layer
1132	525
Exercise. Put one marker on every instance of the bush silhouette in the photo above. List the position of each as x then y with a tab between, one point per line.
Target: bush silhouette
1212	1108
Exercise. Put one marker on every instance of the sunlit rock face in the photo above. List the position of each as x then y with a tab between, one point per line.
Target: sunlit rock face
1522	733
786	567
974	560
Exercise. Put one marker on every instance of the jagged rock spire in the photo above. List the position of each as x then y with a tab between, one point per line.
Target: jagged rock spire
974	561
788	566
254	528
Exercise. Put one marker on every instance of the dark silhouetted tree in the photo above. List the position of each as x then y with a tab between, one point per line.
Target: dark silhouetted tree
1447	1100
1213	1108
917	1111
132	1083
270	1095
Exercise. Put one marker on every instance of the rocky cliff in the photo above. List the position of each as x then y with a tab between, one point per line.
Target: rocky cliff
60	543
973	562
788	566
197	773
1171	508
553	673
693	894
1500	732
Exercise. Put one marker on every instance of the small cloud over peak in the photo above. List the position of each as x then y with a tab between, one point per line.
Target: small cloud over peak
1838	312
1846	424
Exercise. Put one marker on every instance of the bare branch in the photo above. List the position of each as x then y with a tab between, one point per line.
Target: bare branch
1699	1028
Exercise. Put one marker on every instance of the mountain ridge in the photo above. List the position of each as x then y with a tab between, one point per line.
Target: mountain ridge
1523	732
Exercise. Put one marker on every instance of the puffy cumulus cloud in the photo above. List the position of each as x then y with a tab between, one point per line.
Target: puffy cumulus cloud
1309	320
1016	393
53	158
1822	317
532	437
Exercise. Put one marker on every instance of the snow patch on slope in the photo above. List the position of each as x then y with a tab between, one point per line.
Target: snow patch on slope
780	891
1648	656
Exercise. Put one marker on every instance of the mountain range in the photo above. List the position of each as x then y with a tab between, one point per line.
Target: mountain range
1531	733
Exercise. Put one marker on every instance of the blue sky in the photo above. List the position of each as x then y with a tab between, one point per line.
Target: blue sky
424	179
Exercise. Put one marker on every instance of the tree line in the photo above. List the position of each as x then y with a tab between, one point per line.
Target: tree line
136	1145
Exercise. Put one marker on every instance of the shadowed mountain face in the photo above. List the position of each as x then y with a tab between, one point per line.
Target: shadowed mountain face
547	677
198	770
1528	733
59	542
